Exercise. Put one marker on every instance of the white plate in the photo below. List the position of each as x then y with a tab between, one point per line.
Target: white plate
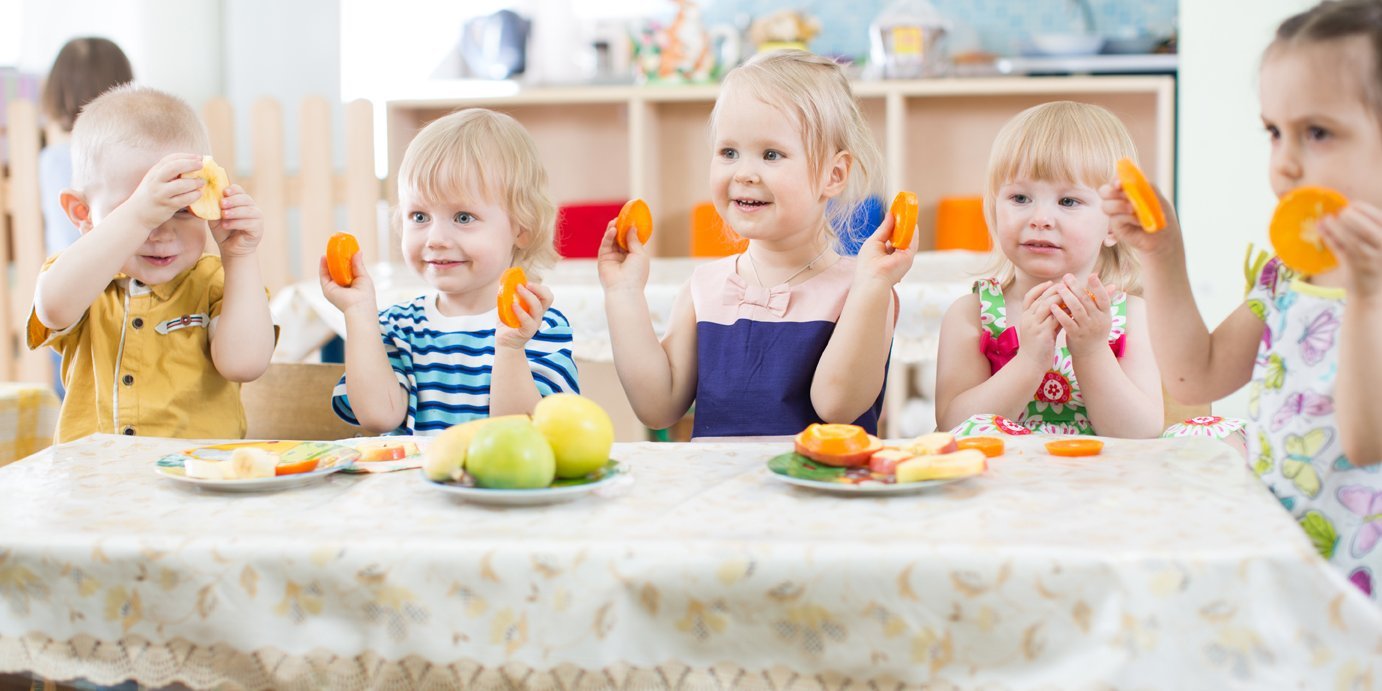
870	489
530	497
338	457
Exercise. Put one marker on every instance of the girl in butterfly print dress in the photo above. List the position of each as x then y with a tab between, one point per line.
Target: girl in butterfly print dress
1315	433
1012	350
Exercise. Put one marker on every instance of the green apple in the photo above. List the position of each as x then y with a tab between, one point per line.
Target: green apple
579	431
445	457
510	454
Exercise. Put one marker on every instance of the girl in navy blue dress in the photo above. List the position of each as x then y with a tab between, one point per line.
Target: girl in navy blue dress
788	332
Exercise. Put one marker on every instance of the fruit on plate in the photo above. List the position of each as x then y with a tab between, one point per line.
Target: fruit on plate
244	463
208	206
904	211
885	460
1143	198
991	446
446	456
509	281
375	451
510	454
963	463
1294	230
837	445
341	249
635	215
933	444
1074	447
579	431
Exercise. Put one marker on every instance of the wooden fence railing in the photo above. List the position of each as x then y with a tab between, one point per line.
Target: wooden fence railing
322	194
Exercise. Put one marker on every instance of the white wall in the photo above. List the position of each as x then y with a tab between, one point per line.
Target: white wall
1225	201
174	45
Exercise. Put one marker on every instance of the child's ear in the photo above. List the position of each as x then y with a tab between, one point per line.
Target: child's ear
837	174
1110	240
77	210
524	239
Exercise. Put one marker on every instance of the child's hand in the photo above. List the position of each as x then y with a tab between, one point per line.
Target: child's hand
241	225
1037	329
1089	318
1126	228
879	260
620	270
358	295
1355	237
164	192
535	298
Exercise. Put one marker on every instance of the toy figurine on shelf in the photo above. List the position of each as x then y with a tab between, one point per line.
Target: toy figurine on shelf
783	29
679	53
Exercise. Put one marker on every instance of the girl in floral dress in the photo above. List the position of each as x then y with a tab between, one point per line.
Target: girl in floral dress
1072	356
1306	346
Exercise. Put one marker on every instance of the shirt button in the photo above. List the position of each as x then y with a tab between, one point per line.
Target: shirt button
129	431
138	323
127	379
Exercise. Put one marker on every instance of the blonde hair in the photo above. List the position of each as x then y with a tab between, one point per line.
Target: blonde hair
135	117
815	92
84	68
480	151
1062	141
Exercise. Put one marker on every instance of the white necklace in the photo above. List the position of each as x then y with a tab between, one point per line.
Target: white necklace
796	273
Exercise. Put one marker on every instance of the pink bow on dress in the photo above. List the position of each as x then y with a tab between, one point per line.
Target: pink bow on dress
773	299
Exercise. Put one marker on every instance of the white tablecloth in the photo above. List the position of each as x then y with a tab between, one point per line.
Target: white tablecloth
1161	564
937	278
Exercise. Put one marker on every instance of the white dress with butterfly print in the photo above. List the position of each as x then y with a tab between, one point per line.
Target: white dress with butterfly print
1294	441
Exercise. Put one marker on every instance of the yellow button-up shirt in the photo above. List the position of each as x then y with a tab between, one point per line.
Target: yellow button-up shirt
139	361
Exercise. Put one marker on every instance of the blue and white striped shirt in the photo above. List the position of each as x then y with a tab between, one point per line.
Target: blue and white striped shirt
445	363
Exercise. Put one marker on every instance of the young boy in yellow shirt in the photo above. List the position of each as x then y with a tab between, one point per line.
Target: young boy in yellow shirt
155	337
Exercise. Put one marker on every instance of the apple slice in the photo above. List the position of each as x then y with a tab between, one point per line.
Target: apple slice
885	462
208	206
933	444
962	463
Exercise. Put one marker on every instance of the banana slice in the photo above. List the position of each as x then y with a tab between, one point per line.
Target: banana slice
209	205
248	463
205	470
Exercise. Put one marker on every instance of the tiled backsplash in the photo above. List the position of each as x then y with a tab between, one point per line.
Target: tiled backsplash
998	26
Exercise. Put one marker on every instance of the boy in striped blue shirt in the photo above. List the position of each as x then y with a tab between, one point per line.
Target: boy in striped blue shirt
472	196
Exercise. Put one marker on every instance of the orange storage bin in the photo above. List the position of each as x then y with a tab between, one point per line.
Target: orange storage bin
960	225
710	237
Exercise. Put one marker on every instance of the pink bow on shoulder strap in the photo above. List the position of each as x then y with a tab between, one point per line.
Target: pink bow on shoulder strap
773	299
1003	348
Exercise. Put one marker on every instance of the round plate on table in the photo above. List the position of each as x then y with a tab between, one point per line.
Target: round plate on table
795	469
330	457
560	491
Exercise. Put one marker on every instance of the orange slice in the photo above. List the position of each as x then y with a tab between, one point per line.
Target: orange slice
1142	196
991	446
636	215
838	445
208	206
1293	231
508	295
1074	447
306	466
904	209
340	250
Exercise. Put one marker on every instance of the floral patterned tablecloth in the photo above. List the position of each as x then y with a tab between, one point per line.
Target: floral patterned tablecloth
1158	564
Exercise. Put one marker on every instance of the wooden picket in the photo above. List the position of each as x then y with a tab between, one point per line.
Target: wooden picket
318	190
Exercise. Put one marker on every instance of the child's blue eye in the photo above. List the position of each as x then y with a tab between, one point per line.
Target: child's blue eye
730	154
1069	202
417	217
1020	198
464	217
771	155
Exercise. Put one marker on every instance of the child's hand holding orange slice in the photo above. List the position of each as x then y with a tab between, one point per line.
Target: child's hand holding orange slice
1294	231
637	216
1142	196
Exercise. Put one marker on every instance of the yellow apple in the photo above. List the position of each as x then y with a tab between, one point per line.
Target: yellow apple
579	431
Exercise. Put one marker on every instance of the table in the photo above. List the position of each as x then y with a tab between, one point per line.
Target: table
1161	564
28	419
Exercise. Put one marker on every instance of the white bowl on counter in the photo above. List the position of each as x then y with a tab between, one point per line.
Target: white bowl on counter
1063	45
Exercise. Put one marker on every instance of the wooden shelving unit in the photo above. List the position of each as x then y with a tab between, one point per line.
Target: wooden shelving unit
616	142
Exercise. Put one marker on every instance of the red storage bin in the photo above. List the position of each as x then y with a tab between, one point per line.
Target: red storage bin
580	225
